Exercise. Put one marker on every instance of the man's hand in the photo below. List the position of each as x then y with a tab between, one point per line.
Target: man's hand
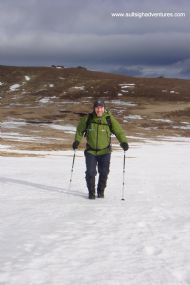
75	145
124	146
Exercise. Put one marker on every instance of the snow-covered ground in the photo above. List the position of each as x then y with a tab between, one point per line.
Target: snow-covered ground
14	87
50	235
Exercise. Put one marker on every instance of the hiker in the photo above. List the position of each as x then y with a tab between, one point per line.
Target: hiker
97	127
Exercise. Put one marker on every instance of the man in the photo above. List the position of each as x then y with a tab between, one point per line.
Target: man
97	127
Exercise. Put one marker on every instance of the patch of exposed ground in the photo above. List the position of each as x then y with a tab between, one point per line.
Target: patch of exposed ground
40	107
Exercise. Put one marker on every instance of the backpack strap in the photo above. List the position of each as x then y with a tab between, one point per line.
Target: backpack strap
108	119
88	122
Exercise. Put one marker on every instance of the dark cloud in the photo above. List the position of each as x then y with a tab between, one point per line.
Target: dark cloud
83	32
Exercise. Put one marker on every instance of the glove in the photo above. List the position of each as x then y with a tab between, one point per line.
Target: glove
75	145
124	146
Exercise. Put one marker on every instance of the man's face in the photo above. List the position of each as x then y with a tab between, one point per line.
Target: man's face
99	111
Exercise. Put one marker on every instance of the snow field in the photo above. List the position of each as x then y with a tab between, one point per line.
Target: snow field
51	235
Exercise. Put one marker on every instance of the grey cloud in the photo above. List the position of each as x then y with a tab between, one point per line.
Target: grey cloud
150	48
41	32
184	67
86	16
179	69
128	70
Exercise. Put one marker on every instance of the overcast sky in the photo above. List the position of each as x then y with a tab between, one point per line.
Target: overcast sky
83	32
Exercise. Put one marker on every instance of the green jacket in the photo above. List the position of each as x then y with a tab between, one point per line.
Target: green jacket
98	134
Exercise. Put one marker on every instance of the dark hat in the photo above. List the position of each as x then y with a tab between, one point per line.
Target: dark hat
98	103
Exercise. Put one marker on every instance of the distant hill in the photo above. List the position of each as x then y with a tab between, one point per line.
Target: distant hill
146	107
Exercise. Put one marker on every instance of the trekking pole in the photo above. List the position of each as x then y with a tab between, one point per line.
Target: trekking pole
72	169
123	187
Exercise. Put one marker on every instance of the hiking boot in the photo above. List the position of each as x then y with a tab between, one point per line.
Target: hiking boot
101	185
91	196
100	195
90	180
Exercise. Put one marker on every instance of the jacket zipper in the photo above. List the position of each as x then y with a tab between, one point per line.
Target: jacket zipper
99	121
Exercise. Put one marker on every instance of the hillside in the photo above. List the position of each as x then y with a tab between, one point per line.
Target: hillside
40	106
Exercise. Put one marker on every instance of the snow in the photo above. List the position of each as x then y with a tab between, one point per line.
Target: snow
173	92
127	85
1	83
44	100
132	117
122	103
14	87
187	127
12	124
151	128
4	147
162	120
79	87
66	128
27	78
52	235
13	136
71	102
173	139
51	85
47	99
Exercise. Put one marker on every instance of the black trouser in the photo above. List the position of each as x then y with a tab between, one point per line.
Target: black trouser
103	163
